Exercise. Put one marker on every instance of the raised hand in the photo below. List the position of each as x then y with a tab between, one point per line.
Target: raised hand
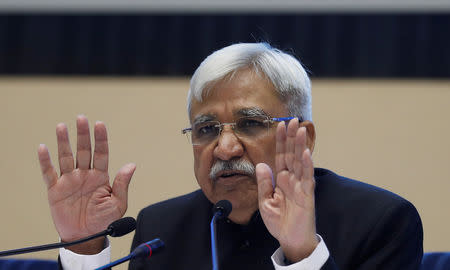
82	201
286	201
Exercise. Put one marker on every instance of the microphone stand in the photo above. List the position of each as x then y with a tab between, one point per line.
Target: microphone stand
221	210
146	249
117	228
51	246
215	257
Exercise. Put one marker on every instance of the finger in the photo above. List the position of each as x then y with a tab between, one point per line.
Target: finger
289	155
280	162
83	143
300	146
49	173
101	147
308	181
121	183
65	156
285	183
264	178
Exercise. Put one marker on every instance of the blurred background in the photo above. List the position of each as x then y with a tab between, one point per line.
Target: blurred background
381	94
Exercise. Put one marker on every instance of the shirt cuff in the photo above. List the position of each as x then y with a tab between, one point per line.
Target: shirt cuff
313	262
73	261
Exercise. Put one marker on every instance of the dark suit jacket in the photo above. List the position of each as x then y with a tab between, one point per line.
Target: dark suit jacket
364	227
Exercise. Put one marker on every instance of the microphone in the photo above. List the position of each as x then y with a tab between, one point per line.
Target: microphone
220	210
146	249
121	227
118	228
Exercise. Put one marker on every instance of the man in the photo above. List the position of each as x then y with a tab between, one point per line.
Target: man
252	133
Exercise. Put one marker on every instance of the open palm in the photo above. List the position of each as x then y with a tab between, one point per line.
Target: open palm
82	201
286	203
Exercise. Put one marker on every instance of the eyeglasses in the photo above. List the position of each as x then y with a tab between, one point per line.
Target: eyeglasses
248	127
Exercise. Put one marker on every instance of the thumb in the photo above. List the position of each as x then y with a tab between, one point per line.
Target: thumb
121	183
264	178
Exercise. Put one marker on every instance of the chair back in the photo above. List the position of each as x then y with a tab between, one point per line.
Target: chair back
436	261
28	264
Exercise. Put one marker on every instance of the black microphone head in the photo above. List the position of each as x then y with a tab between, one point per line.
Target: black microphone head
224	207
121	226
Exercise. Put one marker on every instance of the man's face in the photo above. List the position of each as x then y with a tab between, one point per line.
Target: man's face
227	101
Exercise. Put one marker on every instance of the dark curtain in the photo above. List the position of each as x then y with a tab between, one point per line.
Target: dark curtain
329	45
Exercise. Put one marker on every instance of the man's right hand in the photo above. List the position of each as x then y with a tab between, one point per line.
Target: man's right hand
82	201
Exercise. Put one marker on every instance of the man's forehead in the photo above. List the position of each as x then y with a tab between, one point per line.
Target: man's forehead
239	112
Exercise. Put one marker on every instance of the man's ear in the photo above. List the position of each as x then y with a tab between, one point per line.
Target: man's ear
310	134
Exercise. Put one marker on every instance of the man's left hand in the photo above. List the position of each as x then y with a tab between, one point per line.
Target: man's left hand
286	201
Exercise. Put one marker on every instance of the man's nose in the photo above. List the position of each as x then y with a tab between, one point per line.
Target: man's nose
228	145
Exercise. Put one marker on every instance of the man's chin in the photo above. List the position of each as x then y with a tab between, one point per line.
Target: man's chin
243	198
242	212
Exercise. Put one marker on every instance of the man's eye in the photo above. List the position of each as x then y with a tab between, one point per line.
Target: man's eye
206	129
249	123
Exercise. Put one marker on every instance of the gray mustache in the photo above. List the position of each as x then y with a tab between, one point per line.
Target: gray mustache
241	165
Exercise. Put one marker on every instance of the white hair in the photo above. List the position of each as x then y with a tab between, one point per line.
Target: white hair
284	71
